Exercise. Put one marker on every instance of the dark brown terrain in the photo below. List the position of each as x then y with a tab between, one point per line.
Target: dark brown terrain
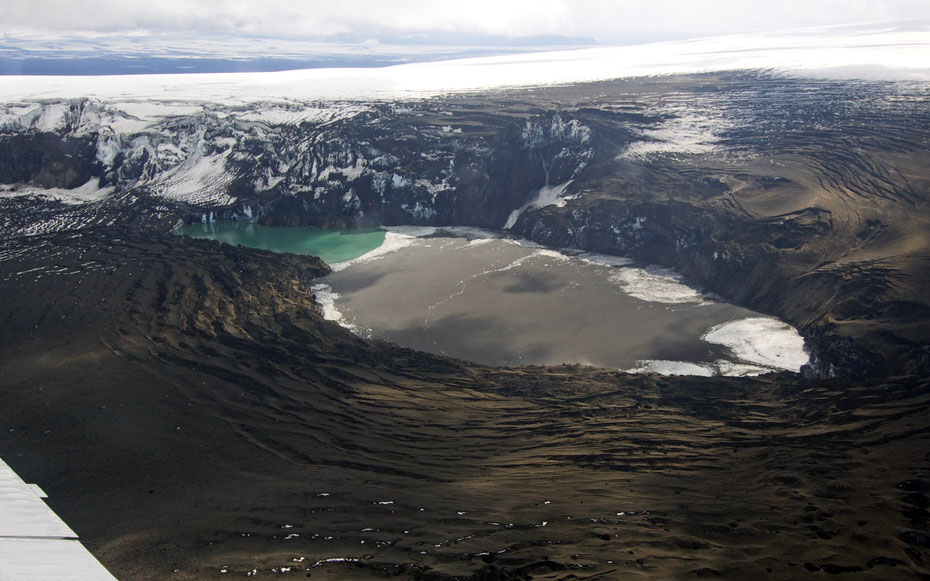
189	403
193	417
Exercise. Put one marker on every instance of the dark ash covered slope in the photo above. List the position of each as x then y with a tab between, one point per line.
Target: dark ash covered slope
188	410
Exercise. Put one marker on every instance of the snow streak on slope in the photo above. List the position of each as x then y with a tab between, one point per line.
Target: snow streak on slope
546	196
200	180
89	192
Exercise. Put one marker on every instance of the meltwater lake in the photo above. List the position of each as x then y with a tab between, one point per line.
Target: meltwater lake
480	296
330	245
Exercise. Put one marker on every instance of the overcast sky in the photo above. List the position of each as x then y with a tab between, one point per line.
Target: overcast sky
606	21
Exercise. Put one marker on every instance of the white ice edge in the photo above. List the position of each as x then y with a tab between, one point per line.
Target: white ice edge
399	237
758	344
719	367
874	51
762	341
396	238
603	259
326	298
667	367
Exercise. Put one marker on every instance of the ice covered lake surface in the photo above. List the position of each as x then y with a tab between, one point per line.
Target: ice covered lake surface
500	301
330	245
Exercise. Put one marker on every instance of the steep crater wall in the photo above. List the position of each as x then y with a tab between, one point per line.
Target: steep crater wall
563	176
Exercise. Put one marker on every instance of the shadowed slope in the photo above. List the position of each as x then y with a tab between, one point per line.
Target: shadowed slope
187	409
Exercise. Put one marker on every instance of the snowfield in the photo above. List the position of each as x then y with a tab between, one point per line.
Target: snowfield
875	51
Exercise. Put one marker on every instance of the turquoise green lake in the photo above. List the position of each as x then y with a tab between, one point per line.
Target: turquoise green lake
330	245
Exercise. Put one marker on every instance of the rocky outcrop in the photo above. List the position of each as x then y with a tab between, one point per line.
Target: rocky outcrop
47	160
837	356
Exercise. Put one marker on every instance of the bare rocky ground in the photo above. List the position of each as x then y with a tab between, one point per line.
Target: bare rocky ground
189	412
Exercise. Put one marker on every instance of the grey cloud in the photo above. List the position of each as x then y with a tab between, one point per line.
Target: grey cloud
607	21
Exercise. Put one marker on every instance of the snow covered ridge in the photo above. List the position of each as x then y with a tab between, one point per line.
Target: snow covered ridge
182	151
338	159
891	51
87	115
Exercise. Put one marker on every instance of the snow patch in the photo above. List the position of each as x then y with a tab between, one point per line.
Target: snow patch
277	115
125	125
350	172
54	117
434	188
152	111
399	182
419	211
687	134
546	253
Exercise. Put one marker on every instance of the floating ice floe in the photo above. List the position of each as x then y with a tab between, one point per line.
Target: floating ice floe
759	344
603	259
763	341
655	284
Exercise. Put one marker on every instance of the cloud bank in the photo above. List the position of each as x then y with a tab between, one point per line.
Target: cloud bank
608	22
